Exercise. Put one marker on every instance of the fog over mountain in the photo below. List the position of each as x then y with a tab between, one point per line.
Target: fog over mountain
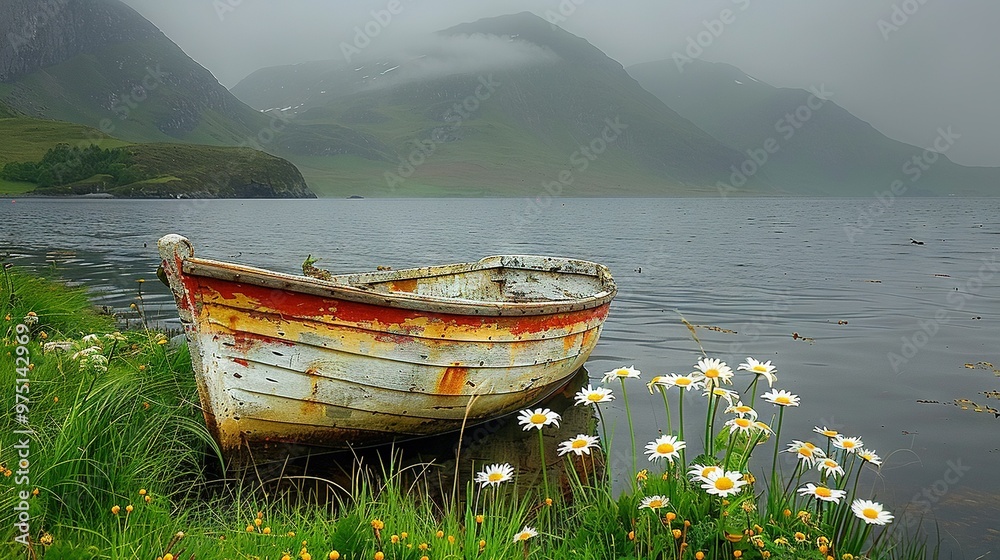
906	66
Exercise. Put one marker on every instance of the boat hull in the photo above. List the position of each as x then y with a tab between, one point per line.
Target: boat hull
288	366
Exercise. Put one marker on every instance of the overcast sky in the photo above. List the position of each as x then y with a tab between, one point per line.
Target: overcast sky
936	66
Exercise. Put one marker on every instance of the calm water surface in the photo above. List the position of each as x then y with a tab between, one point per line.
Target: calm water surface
885	325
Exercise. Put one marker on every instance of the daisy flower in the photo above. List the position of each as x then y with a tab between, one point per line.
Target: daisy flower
759	368
826	431
848	444
685	382
871	512
780	398
665	447
591	395
729	396
715	371
525	534
724	484
822	493
701	473
741	424
538	418
580	444
494	475
653	502
805	451
742	410
620	373
870	457
830	467
762	426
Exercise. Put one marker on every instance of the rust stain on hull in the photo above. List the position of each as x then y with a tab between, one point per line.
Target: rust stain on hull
452	380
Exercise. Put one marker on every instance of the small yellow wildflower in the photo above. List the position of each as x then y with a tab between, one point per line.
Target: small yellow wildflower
148	498
305	556
482	544
258	521
266	530
424	558
379	555
129	508
142	491
699	555
799	537
548	501
378	524
46	539
334	555
439	534
479	518
642	475
168	556
394	539
403	535
249	528
423	546
631	535
451	539
734	537
671	516
765	554
291	533
737	553
677	533
34	492
115	509
286	557
787	513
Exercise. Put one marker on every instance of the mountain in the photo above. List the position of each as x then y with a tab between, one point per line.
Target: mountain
503	106
101	64
802	140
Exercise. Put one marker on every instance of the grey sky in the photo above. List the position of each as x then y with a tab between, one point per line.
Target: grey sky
940	67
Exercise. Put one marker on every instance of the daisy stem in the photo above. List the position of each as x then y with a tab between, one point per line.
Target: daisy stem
729	447
628	414
680	422
792	478
777	440
666	407
605	442
545	466
753	390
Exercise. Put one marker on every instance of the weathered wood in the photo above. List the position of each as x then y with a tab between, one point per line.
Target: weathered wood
364	358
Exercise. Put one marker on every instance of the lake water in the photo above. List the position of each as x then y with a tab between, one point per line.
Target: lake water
887	328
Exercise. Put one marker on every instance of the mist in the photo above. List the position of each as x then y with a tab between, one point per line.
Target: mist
905	66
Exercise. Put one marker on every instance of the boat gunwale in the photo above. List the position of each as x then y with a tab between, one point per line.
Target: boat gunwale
337	289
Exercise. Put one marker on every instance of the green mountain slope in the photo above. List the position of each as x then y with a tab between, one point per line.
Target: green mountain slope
803	143
101	64
537	105
158	170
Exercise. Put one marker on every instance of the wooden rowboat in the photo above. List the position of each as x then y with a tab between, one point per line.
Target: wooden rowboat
284	360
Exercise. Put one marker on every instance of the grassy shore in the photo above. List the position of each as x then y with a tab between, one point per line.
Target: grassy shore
106	456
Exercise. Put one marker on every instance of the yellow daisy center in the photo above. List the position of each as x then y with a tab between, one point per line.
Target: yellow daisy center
782	399
594	397
805	452
538	418
848	444
712	373
495	477
578	443
621	372
743	409
656	504
831	433
759	368
809	445
724	483
682	381
665	448
870	513
830	463
743	423
524	536
823	492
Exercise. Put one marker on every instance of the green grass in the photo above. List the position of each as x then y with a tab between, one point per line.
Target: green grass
121	463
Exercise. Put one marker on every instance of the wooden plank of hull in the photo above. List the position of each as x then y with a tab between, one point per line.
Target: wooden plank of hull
301	366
